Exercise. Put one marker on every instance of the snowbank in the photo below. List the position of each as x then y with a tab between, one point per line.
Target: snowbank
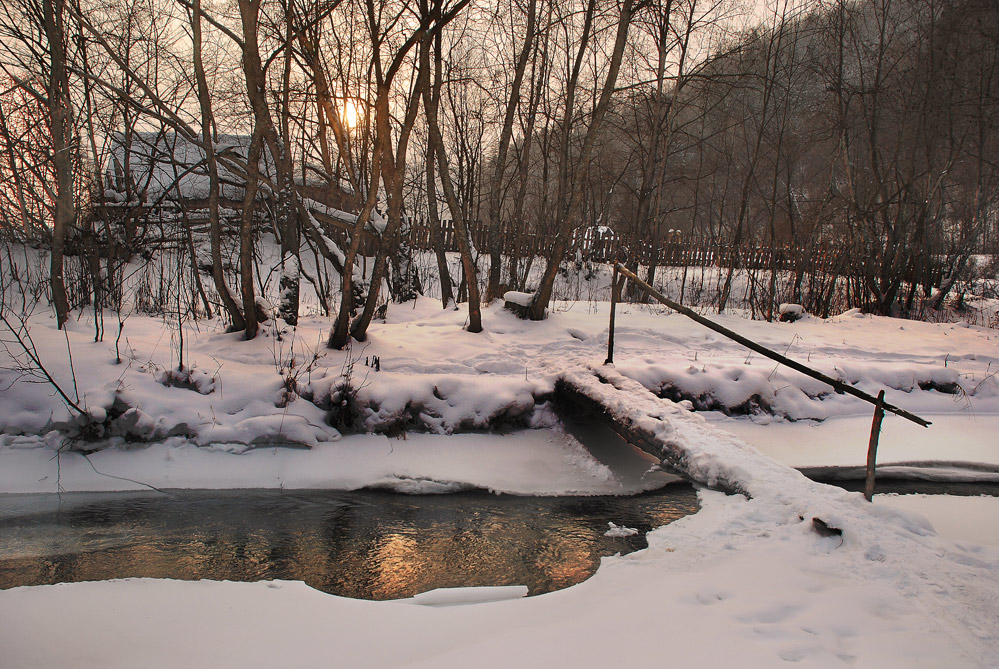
286	387
529	462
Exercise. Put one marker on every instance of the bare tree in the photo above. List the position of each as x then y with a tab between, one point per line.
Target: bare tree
388	167
431	96
570	191
433	210
506	135
215	225
35	48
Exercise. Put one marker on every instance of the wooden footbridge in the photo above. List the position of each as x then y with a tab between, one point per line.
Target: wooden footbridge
681	440
678	438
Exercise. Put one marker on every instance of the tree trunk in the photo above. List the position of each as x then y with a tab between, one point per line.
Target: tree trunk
61	130
27	228
518	280
287	196
495	206
246	235
436	234
571	212
287	208
215	225
430	97
393	170
340	333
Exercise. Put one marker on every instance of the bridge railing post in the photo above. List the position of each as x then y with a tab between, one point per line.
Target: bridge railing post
872	447
615	290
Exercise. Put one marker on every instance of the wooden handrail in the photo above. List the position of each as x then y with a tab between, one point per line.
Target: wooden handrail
762	350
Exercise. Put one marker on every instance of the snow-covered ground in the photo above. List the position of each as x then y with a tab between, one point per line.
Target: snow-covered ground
530	462
966	519
747	581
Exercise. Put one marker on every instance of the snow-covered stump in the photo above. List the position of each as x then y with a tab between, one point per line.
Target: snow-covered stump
519	303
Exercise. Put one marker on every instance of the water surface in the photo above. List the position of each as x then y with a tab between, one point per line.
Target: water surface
368	544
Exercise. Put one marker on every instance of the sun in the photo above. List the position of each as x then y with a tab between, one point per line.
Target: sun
350	114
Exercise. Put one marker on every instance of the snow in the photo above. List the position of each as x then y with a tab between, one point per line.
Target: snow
518	298
378	222
791	312
470	595
912	581
969	520
843	440
332	212
162	163
620	531
151	159
545	462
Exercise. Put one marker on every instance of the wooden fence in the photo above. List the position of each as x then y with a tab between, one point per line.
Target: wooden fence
603	245
599	244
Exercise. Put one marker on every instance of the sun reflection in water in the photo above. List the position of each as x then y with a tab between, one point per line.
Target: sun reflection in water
362	545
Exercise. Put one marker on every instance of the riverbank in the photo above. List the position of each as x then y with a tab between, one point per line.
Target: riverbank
527	462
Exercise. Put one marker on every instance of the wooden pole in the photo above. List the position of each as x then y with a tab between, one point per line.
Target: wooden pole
872	448
763	350
613	309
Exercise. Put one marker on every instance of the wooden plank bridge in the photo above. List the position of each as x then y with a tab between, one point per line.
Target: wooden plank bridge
678	438
681	441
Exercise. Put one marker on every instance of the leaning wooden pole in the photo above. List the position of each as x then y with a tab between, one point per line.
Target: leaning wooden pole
764	351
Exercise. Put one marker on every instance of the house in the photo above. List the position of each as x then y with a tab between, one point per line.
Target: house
159	176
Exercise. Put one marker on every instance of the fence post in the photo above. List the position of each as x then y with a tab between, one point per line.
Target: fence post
613	308
872	448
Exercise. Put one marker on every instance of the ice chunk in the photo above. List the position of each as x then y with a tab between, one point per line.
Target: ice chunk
473	595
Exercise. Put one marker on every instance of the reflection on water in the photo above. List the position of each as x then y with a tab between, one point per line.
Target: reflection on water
370	545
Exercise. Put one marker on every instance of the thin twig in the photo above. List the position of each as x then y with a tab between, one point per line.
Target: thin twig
120	478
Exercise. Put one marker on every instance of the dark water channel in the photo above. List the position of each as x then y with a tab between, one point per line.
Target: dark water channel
369	545
899	486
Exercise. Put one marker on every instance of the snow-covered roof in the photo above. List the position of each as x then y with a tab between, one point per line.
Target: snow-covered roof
159	164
